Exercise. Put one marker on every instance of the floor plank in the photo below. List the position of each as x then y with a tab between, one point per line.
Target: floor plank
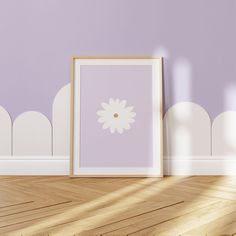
186	206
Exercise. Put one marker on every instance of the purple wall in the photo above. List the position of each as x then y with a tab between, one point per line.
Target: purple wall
38	38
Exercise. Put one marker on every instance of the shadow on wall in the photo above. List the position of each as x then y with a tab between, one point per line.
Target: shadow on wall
32	133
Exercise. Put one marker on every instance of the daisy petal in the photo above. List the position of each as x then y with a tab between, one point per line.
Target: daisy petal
101	113
119	130
123	104
111	101
112	130
127	126
105	105
101	120
128	109
132	114
131	120
105	126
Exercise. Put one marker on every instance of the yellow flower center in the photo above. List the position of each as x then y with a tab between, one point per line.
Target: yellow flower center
116	115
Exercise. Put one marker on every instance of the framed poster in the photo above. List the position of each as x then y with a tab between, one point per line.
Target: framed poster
116	116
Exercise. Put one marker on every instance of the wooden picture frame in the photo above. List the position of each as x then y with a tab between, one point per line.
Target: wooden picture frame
147	70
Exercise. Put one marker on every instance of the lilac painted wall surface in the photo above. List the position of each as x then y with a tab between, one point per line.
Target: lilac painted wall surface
197	38
130	83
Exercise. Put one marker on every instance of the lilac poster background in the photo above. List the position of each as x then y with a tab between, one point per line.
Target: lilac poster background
101	148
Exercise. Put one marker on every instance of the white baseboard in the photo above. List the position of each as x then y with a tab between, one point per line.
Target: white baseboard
60	166
212	166
24	165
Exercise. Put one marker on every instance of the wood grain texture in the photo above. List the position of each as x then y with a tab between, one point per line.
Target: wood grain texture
187	206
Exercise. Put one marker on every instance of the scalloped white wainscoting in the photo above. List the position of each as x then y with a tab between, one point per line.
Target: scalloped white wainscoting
193	145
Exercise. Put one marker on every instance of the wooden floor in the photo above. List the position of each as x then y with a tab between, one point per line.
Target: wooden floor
118	206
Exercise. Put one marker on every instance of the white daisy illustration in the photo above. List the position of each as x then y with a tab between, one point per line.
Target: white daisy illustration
116	115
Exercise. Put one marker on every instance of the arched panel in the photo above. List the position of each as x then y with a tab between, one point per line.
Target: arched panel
61	122
187	132
32	135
